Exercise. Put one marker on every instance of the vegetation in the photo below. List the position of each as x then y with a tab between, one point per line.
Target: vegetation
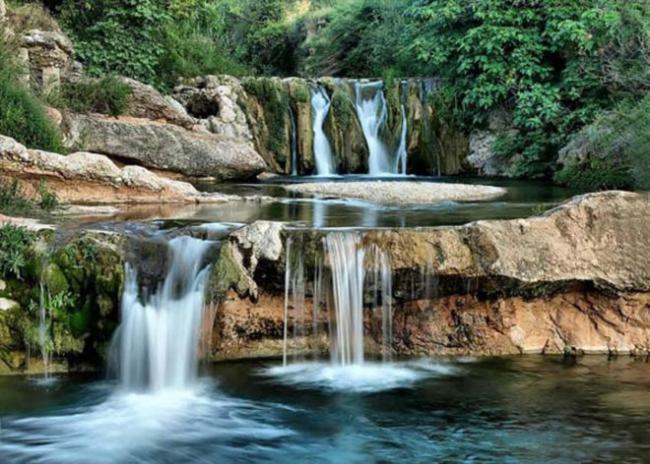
107	95
14	202
22	116
613	152
15	243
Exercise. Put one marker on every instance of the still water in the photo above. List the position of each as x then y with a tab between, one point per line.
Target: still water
521	409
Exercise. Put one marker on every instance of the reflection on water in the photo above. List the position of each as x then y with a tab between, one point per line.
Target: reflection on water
524	409
523	199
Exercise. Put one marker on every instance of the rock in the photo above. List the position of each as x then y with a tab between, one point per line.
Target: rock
400	193
147	102
3	10
575	279
481	153
91	178
213	100
7	304
164	146
49	57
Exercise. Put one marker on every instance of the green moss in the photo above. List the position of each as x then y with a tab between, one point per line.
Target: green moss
342	107
230	273
108	95
274	101
55	279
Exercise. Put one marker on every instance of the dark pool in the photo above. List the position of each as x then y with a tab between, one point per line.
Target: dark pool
522	409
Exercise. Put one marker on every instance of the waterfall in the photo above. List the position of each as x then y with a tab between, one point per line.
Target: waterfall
402	149
44	319
320	103
372	112
347	263
294	143
157	340
355	272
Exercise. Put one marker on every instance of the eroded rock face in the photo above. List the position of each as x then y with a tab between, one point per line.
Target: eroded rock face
85	178
576	279
163	146
147	102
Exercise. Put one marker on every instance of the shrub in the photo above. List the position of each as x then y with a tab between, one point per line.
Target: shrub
12	201
108	95
615	150
22	116
14	250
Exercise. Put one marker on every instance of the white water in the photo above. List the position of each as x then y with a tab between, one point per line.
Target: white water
402	152
43	327
348	274
158	338
294	143
320	103
372	112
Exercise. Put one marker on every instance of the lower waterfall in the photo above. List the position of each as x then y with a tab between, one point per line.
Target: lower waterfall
158	338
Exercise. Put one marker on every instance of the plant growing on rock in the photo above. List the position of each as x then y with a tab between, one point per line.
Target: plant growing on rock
15	243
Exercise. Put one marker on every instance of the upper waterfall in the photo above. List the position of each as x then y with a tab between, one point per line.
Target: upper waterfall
320	103
372	112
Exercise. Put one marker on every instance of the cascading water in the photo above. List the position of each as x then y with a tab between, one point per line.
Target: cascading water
348	274
294	143
402	149
43	329
349	282
157	340
320	103
372	112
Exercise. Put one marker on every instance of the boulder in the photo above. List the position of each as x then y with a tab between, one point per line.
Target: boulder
49	57
163	146
575	279
91	178
146	102
213	102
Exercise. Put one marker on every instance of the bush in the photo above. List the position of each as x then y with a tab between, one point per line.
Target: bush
13	202
108	95
22	116
14	250
614	150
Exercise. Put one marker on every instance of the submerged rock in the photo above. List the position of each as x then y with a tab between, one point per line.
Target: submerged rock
400	193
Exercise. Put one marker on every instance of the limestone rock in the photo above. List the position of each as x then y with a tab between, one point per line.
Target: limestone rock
575	279
213	100
147	102
49	56
91	178
3	10
164	146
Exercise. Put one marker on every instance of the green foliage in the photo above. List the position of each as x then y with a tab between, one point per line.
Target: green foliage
49	200
108	95
15	243
22	115
12	201
363	38
117	36
613	152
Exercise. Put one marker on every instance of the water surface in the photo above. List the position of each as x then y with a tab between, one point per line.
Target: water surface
521	409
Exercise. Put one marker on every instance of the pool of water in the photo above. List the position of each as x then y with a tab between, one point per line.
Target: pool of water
521	409
522	200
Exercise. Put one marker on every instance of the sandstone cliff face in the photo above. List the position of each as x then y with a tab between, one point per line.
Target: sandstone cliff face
576	279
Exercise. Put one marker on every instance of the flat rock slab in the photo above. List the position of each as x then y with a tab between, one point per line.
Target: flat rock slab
400	193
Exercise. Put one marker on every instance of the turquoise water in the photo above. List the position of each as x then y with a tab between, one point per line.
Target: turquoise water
521	409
